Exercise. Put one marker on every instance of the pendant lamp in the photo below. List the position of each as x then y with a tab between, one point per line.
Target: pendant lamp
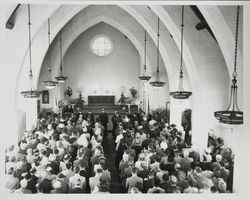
31	93
144	77
232	115
157	83
61	78
181	93
49	84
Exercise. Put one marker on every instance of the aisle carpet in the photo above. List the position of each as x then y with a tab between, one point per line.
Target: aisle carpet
110	153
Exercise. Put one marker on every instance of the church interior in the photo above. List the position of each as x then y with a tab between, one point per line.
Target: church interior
125	98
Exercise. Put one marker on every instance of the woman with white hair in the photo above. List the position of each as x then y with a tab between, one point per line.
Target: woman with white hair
23	189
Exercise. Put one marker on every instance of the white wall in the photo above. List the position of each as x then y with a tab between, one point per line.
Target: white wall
93	73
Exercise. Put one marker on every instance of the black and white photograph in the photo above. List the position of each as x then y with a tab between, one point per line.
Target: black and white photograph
125	97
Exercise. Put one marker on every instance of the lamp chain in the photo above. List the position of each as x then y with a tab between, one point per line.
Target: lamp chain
145	50
158	45
61	51
236	42
49	44
182	27
29	24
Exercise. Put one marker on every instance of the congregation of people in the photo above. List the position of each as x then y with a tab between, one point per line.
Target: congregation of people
65	154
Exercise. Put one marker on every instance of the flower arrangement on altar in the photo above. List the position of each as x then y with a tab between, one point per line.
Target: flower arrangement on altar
61	104
133	92
68	92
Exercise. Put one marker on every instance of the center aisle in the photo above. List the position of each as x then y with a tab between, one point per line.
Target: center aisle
110	153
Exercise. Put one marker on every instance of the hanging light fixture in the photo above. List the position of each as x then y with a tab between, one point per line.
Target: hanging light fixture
232	115
32	93
49	84
157	83
144	77
181	93
61	78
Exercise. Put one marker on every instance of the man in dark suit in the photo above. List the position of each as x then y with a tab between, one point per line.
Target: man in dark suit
148	182
104	121
115	119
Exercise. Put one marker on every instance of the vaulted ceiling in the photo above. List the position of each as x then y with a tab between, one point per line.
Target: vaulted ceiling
208	37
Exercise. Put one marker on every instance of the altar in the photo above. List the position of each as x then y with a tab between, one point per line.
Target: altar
101	100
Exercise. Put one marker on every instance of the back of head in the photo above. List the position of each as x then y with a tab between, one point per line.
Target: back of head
57	185
198	170
222	186
134	170
77	169
192	182
131	161
157	182
23	183
218	157
104	166
104	185
165	177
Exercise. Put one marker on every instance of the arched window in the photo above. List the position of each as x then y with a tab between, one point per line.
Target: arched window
101	45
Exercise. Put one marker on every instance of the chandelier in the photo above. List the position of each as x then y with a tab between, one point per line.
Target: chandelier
144	77
181	93
157	83
232	115
32	93
61	78
49	84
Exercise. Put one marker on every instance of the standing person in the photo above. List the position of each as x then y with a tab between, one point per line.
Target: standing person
115	119
104	121
90	118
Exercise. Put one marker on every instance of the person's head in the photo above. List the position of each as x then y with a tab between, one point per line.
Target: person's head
218	158
177	166
57	185
144	165
29	151
99	172
104	185
157	182
176	190
131	161
10	171
125	157
77	169
151	174
134	190
141	157
173	180
104	166
44	186
165	176
137	188
78	183
98	151
68	165
134	170
222	186
185	154
214	189
198	170
103	110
